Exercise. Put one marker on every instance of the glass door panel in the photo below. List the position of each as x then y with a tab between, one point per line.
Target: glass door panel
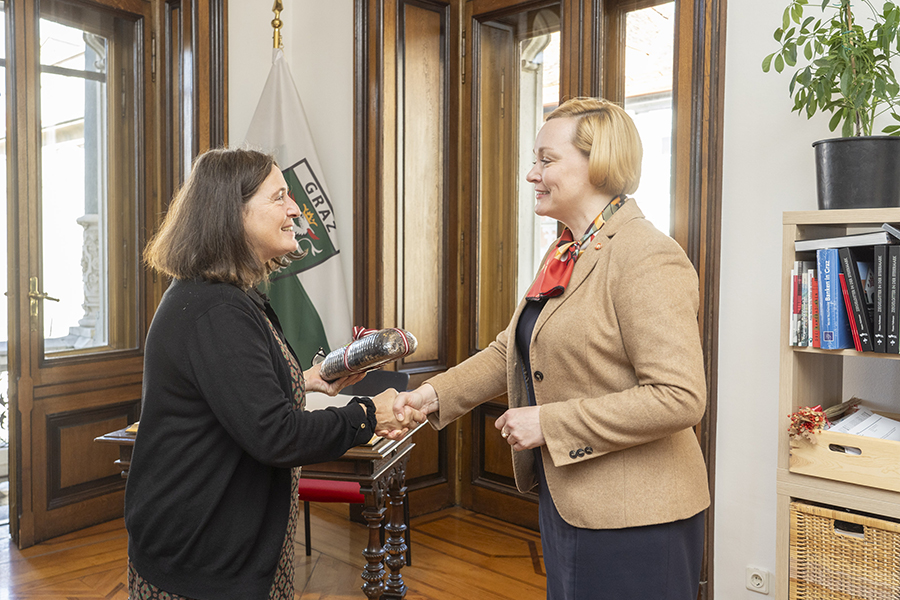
497	184
88	284
517	65
538	96
649	62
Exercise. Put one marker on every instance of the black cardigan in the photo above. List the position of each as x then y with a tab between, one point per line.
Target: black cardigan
209	488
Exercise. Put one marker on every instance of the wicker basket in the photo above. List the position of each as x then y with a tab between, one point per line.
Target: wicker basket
841	556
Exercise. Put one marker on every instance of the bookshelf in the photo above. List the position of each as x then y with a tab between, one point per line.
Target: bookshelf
811	376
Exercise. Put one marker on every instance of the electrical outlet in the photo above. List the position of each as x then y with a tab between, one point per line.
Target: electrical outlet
758	580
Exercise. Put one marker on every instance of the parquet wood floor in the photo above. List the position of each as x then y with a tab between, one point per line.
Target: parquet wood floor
457	555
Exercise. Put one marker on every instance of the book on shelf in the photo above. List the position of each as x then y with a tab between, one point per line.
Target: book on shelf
852	240
857	308
803	304
892	302
848	306
867	276
795	306
815	341
810	302
834	325
879	313
803	330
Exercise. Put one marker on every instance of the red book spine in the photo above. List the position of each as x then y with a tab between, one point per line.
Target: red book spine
856	343
814	309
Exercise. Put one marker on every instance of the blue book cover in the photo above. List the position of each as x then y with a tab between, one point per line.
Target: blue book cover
834	326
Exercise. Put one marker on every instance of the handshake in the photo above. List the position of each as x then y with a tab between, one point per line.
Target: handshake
395	412
398	412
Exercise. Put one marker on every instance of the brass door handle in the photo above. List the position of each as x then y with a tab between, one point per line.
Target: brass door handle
41	296
33	296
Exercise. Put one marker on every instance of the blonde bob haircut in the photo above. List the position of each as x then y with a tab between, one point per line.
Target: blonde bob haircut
610	140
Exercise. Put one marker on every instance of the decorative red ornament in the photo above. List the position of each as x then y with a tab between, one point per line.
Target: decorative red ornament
807	421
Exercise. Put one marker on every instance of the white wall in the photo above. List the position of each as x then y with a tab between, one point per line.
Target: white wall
318	45
768	168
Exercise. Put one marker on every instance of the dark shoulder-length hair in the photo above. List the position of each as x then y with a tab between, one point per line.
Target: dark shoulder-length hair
202	235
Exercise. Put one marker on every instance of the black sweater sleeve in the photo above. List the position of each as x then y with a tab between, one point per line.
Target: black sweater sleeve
231	355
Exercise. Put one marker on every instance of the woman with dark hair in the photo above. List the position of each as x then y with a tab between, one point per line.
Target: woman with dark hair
211	498
604	370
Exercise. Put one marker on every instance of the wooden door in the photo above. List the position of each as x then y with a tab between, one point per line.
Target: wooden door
76	288
87	88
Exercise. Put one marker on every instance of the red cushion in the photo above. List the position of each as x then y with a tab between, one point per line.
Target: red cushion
322	490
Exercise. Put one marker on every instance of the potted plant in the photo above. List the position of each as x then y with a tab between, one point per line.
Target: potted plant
846	71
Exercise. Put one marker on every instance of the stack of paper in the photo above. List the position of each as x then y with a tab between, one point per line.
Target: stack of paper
866	423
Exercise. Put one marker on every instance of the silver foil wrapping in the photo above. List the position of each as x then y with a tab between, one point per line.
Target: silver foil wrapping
369	352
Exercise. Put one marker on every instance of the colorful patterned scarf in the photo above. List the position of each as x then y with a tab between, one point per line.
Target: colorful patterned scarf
557	269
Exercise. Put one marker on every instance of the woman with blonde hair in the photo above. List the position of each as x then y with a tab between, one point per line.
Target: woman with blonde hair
603	366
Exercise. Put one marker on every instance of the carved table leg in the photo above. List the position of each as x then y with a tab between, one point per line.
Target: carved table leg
373	574
396	544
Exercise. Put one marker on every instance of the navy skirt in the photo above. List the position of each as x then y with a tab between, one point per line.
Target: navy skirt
654	562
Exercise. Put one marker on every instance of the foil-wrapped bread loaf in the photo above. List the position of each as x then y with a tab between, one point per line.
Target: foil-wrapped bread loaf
369	350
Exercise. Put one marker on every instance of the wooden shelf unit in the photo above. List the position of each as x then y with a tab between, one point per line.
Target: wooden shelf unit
812	376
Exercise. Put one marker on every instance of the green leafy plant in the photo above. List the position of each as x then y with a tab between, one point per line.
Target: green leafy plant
847	61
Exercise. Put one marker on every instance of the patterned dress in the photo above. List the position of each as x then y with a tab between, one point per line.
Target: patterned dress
283	584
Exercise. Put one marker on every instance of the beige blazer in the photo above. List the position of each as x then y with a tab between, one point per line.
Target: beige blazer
618	373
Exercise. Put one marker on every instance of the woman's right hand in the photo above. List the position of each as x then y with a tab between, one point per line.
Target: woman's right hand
391	423
423	400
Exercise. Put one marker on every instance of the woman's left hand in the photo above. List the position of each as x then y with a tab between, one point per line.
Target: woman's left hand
521	427
315	383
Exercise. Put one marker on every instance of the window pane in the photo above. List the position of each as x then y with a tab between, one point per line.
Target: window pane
649	52
87	203
517	70
539	95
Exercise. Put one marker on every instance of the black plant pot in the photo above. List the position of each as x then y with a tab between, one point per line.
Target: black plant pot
858	172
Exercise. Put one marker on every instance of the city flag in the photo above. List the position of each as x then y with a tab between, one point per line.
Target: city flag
309	296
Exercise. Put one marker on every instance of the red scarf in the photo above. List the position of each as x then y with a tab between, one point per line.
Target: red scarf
557	269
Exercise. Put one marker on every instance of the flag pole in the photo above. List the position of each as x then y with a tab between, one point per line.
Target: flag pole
276	22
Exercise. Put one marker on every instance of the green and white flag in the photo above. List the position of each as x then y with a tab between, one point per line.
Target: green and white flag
309	296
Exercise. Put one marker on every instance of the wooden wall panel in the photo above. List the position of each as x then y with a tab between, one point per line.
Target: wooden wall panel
495	462
82	485
81	460
429	463
421	241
